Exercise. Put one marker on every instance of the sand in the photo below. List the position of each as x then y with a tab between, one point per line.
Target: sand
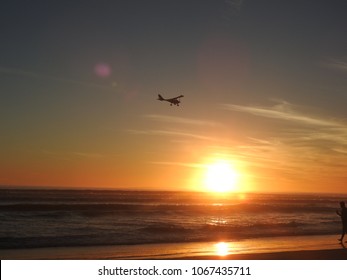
324	247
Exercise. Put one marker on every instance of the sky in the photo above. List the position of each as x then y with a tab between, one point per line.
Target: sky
264	85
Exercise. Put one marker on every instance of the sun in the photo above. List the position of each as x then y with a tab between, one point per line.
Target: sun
221	177
222	249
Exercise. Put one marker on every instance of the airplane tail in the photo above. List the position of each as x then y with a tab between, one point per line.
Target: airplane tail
160	97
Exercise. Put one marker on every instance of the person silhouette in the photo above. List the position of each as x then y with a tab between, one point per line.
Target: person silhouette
343	214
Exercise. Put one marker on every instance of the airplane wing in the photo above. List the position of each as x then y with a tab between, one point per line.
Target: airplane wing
178	96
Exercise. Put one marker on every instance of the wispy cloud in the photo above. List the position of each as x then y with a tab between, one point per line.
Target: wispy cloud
317	130
284	111
234	6
73	155
336	63
183	164
302	145
89	155
56	155
180	120
171	133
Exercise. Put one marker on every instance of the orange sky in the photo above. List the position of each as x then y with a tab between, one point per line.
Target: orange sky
175	153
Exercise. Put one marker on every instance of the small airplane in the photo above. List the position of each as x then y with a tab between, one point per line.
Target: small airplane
176	100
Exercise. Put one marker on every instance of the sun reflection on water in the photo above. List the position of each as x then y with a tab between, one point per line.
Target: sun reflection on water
217	222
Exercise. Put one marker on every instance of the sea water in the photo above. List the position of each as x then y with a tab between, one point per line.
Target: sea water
31	218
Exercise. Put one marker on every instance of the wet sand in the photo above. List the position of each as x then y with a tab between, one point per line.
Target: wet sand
325	247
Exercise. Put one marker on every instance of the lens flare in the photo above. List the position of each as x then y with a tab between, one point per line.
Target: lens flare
102	70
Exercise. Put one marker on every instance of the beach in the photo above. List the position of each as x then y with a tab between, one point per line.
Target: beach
278	248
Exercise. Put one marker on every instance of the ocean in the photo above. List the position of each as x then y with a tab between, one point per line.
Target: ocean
36	218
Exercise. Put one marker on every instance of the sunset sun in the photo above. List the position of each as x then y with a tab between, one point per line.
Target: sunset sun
221	177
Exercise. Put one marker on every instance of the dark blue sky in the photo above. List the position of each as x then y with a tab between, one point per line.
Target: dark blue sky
145	39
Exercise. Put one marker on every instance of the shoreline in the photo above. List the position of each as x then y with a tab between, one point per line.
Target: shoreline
325	247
